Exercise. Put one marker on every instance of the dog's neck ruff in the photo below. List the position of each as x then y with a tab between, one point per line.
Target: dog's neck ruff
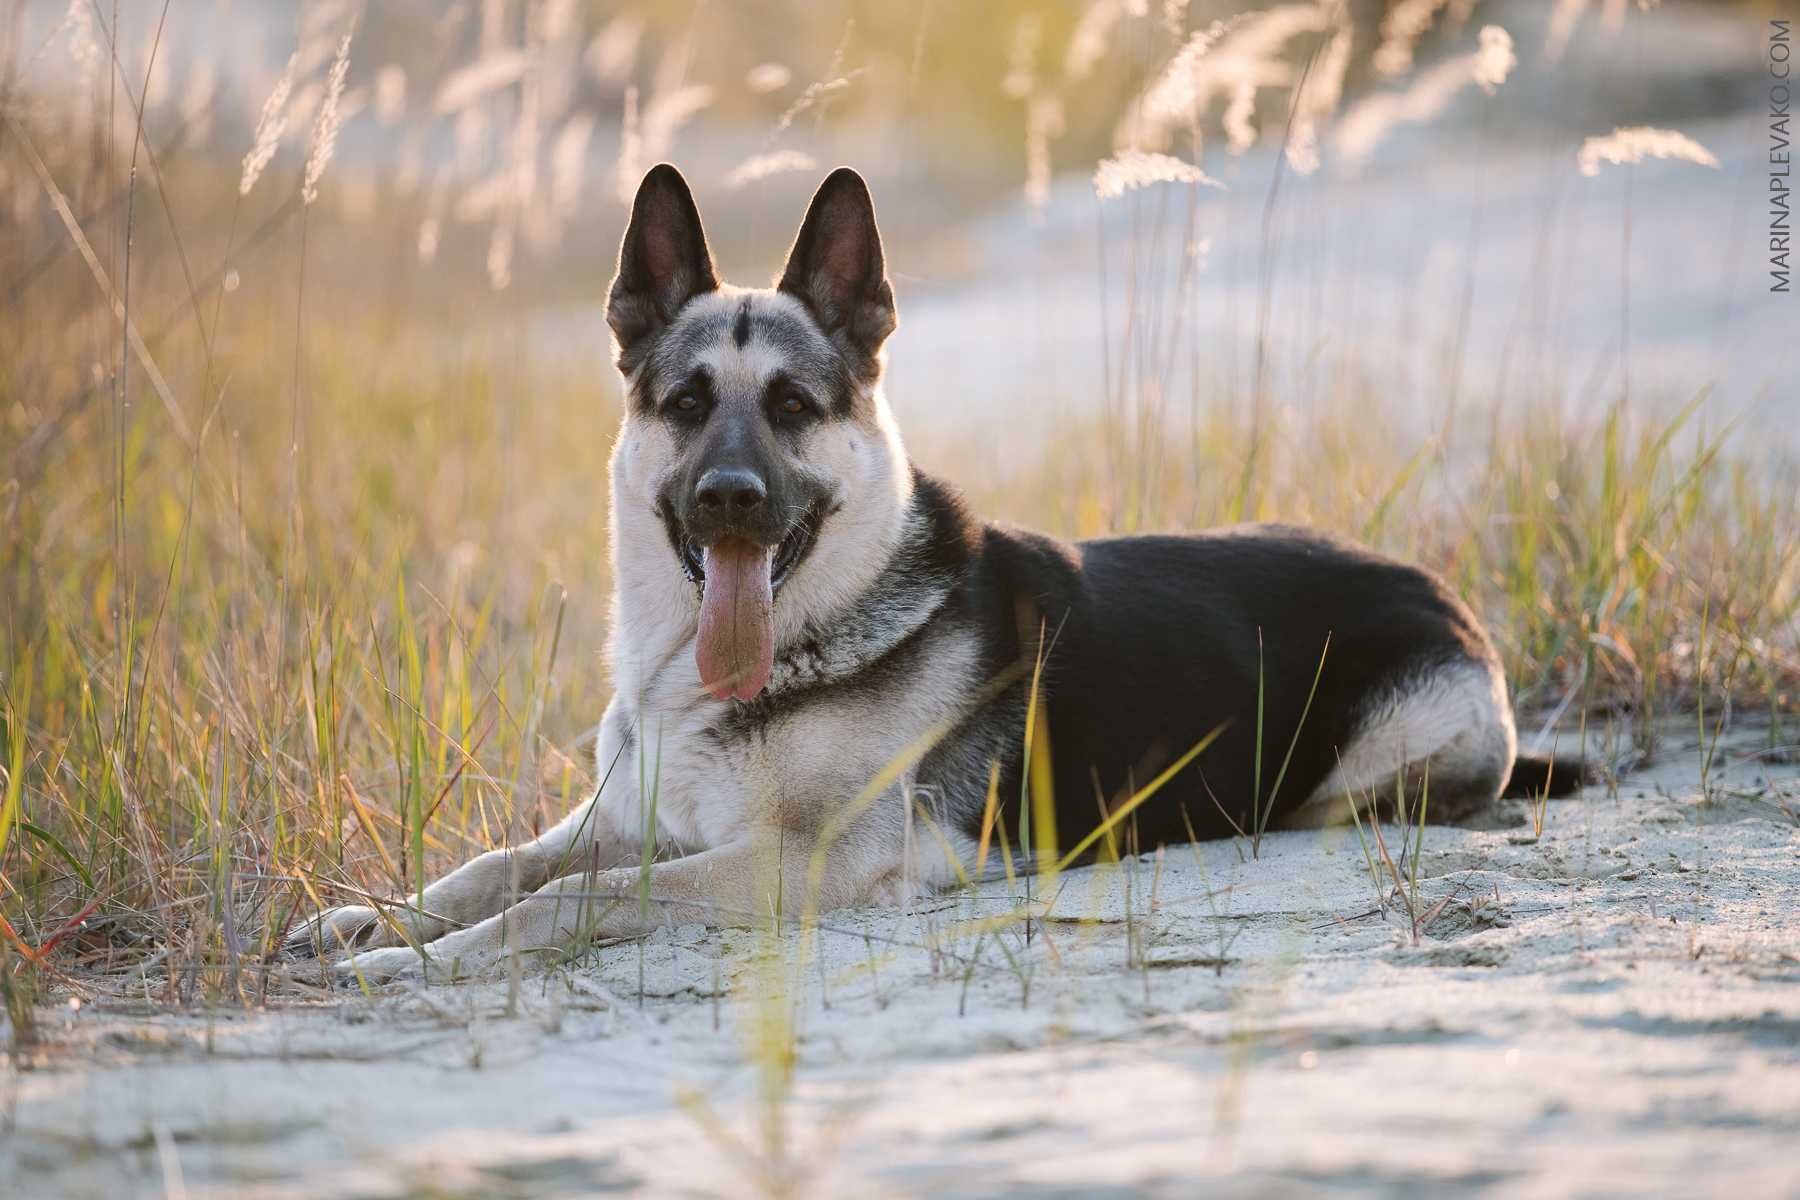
910	589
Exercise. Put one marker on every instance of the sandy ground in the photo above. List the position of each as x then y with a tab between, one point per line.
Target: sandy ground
1611	1009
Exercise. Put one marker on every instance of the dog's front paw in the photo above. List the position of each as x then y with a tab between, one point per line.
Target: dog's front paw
446	960
336	930
390	964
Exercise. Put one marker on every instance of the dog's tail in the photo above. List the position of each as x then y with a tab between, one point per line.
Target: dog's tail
1534	777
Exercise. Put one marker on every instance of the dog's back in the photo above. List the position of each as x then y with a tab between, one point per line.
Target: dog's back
1151	643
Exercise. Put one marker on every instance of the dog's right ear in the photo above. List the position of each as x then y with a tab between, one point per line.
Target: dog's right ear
663	263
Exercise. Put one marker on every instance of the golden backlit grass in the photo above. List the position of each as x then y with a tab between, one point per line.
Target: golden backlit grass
266	670
327	618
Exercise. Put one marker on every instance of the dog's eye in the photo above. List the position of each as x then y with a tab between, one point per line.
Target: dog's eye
685	403
792	404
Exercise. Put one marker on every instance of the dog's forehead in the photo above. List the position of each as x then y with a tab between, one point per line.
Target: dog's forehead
744	338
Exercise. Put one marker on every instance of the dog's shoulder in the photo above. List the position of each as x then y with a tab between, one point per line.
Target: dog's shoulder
1005	577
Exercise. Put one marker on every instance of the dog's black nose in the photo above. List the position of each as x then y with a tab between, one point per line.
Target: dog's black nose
731	491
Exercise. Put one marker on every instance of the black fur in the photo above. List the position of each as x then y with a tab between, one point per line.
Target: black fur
1533	777
740	329
1150	643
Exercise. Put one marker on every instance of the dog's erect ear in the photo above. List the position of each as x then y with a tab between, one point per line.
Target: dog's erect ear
836	268
663	263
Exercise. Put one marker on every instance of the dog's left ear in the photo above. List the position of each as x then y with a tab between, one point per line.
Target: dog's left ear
837	271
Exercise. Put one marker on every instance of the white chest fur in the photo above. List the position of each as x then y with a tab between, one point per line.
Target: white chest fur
713	776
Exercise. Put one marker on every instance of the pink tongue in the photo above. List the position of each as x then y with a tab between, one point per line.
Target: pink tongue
736	647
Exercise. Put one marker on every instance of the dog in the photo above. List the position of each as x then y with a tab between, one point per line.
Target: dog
834	686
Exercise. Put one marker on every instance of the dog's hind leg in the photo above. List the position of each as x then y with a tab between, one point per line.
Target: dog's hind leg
1449	739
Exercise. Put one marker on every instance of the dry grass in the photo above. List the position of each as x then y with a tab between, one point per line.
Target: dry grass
332	622
359	662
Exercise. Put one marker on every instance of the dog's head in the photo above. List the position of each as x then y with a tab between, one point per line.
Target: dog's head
756	436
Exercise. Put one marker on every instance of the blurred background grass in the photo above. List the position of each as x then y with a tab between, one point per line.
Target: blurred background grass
318	603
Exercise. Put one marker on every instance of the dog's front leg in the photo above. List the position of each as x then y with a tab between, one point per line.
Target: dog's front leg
739	883
468	895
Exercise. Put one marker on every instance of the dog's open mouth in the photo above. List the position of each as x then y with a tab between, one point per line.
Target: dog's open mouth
788	555
734	646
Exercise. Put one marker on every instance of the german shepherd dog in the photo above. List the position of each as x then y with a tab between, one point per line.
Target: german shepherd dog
824	666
